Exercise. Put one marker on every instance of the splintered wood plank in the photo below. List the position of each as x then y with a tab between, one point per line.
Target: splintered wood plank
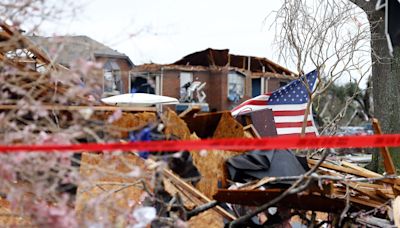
369	173
386	190
384	194
354	172
252	131
387	158
370	194
189	201
366	202
193	191
193	109
341	168
365	171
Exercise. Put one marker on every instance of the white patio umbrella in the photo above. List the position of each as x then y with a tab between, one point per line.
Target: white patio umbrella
139	99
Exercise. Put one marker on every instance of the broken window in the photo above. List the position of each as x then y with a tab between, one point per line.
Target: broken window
112	79
186	79
143	82
236	85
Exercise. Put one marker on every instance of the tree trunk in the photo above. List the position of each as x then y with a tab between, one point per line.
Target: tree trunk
385	80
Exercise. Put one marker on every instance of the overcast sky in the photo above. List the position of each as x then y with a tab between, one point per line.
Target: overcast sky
163	31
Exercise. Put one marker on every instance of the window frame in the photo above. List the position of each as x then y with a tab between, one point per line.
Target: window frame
237	78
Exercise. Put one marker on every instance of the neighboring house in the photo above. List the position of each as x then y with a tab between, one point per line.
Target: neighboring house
67	50
230	79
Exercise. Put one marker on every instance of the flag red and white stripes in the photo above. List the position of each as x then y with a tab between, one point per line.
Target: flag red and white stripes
288	104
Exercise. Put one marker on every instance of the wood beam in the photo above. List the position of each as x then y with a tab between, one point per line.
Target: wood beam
82	107
387	158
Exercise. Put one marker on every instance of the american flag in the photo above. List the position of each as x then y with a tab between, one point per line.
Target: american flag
288	105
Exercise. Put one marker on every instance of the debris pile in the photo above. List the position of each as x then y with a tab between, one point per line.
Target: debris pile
336	193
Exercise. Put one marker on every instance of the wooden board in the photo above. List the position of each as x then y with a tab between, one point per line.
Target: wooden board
103	179
211	165
251	130
83	107
361	169
175	126
390	168
259	197
228	127
190	111
262	120
179	183
344	169
203	124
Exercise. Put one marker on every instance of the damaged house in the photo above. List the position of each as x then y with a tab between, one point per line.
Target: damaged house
67	50
226	79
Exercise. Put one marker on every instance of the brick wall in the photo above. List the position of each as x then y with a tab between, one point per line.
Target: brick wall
124	67
274	83
170	83
216	88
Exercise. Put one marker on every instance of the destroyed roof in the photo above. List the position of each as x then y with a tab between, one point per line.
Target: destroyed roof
154	67
66	49
214	57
